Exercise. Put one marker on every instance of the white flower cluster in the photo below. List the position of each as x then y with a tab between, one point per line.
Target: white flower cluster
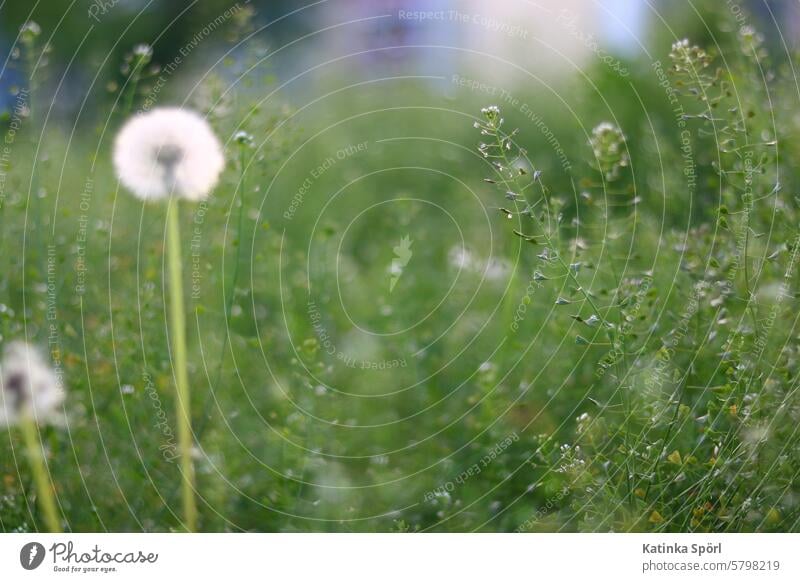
609	149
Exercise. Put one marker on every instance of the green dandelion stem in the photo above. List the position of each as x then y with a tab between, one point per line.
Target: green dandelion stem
178	336
41	478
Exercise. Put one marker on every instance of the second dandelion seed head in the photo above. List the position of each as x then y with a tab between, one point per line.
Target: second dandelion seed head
28	387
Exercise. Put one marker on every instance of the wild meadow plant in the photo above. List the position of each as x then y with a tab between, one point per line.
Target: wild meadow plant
691	415
31	58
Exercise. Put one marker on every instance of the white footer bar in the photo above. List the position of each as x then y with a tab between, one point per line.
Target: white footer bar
401	557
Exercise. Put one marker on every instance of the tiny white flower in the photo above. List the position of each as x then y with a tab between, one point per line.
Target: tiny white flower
28	387
682	44
30	28
166	152
143	50
243	138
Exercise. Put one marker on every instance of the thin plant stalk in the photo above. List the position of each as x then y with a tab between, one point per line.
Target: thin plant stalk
36	221
41	479
501	140
178	337
138	60
234	282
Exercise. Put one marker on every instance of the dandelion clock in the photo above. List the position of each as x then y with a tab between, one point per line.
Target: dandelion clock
168	152
28	387
172	154
30	396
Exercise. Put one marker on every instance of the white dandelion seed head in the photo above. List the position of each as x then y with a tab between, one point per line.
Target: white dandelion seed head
28	387
461	258
497	269
168	151
492	269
